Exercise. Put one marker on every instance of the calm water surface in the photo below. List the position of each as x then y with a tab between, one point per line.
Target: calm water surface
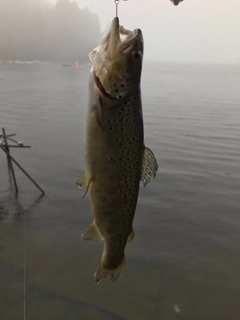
184	262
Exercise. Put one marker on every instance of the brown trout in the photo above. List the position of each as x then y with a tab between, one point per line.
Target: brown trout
115	155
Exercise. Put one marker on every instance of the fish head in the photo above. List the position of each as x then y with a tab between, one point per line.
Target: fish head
117	61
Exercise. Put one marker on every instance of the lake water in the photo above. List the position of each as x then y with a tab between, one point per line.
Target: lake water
184	262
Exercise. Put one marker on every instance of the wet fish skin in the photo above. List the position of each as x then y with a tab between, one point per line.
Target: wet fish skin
114	147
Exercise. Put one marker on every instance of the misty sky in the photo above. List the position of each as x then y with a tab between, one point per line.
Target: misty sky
36	30
195	30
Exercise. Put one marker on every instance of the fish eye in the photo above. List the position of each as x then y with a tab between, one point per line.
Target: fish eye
136	55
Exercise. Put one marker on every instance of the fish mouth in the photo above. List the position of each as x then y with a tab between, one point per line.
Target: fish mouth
101	88
121	40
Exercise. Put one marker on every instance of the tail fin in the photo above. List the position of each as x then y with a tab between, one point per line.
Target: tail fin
114	274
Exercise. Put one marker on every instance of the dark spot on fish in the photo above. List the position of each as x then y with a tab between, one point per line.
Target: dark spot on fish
122	85
110	128
119	97
119	113
116	90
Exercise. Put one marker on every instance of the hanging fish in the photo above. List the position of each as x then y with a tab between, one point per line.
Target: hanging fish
116	158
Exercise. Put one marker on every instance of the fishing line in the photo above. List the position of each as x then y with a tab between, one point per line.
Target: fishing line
116	2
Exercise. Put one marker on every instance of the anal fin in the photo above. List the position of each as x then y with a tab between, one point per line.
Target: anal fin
92	233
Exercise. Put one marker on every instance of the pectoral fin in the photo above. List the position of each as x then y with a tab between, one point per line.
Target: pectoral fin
149	166
83	181
92	233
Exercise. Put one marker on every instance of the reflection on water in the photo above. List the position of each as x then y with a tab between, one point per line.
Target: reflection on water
185	259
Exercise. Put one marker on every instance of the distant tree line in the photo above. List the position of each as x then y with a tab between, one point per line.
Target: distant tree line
34	30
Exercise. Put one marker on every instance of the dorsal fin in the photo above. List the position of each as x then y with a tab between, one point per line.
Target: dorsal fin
149	166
